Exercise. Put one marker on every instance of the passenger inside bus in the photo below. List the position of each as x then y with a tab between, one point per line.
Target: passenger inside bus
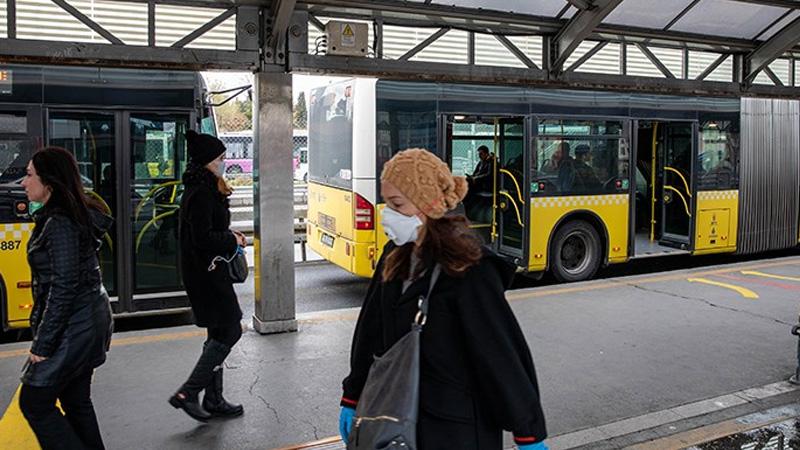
481	178
558	161
478	203
584	178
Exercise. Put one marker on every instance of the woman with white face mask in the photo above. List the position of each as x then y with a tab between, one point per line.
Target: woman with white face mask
477	376
204	235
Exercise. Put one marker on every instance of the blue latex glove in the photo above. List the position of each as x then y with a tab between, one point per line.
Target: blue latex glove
536	446
346	416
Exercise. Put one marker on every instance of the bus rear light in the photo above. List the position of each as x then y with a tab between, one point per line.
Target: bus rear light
26	306
364	214
24	285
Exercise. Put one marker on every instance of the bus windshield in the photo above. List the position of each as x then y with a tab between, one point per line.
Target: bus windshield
330	137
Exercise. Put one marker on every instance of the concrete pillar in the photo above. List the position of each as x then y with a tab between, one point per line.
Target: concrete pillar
274	202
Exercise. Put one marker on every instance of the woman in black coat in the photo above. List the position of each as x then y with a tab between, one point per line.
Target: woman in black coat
71	316
204	235
477	376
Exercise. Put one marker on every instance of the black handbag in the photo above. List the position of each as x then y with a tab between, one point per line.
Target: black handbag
386	415
237	265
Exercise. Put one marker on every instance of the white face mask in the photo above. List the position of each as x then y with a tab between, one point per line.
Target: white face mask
400	228
217	167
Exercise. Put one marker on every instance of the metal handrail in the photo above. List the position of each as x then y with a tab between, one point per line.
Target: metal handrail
683	199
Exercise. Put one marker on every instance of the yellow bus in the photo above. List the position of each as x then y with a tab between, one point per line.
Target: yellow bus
580	179
126	129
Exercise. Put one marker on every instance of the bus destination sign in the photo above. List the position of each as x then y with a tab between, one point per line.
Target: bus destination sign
5	82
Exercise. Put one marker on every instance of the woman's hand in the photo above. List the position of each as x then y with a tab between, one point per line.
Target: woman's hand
35	359
241	240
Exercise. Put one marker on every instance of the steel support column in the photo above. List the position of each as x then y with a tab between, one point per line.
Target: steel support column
274	214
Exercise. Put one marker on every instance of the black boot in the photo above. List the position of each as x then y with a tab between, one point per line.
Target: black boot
215	403
214	353
190	405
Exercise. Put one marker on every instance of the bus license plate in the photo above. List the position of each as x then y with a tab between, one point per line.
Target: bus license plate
326	239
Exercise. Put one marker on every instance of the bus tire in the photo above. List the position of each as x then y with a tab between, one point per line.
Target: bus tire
575	252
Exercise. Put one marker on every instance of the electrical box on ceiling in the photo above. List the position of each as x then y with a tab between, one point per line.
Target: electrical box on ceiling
347	38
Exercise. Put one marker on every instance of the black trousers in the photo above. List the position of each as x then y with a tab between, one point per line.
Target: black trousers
77	428
226	334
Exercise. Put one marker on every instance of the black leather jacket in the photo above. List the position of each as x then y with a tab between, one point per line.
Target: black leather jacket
71	316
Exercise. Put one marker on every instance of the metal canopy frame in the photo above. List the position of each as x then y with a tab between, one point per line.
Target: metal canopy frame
272	36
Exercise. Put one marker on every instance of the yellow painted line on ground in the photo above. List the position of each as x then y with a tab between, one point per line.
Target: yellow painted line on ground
769	275
746	293
119	342
14	430
706	434
326	441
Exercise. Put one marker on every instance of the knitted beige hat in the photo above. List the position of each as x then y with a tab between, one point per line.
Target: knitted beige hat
426	181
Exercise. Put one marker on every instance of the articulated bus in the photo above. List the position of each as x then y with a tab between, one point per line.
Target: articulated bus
127	130
581	179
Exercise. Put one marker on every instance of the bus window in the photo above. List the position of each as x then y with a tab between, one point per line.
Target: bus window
718	156
331	116
207	125
577	157
15	147
467	137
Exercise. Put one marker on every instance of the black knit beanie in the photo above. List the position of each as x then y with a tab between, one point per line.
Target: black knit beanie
203	148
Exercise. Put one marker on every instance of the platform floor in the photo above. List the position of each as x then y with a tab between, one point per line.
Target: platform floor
609	353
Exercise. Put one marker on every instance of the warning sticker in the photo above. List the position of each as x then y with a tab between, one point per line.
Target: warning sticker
348	37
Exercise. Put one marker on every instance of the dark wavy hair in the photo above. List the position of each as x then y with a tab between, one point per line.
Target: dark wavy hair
448	241
58	170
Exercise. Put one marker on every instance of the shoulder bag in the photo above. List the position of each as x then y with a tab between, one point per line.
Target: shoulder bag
237	265
386	415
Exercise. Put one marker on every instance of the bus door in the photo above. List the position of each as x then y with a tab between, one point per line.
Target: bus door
91	136
511	187
677	185
464	137
156	158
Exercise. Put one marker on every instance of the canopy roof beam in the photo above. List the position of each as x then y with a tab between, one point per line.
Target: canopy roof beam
581	26
277	26
772	49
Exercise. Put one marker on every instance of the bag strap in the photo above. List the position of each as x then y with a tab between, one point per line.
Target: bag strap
213	265
422	314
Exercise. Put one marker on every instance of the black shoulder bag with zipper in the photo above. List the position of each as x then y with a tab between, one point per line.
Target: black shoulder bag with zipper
386	415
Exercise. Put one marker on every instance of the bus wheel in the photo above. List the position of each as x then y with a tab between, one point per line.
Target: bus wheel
575	253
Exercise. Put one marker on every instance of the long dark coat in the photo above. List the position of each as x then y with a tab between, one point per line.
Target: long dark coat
477	374
71	316
204	234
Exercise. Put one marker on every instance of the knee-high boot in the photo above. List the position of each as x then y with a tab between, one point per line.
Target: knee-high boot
187	398
215	403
